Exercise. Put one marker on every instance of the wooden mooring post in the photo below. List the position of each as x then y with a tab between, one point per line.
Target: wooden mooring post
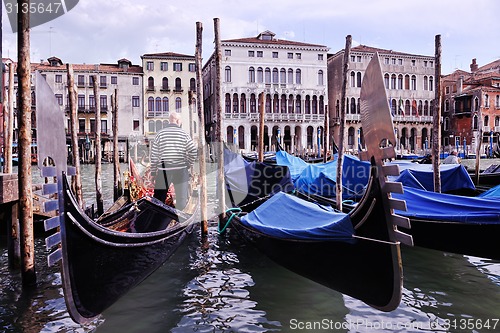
24	143
218	127
201	132
75	152
97	146
117	181
436	128
340	160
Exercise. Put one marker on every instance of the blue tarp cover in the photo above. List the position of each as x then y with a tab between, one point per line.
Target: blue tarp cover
320	178
288	217
453	176
493	192
248	181
448	207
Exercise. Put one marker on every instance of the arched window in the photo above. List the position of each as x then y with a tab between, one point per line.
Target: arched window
400	82
307	105
474	123
486	121
192	84
165	104
290	76
178	105
386	81
446	106
164	83
268	75
446	124
393	81
358	79
353	105
158	104
413	82
298	105
151	104
151	83
407	107
251	75
350	136
178	84
283	76
227	74
320	78
253	104
298	76
267	104
431	83
353	79
243	104
260	75
315	105
275	75
407	82
151	126
235	103
486	101
227	104
426	83
497	121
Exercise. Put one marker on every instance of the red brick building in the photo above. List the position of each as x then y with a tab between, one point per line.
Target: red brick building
471	104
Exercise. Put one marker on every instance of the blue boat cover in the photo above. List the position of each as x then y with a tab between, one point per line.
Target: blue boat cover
421	176
247	181
288	217
493	192
320	178
448	207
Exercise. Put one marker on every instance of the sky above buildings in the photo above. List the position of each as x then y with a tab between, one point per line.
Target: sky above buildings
97	31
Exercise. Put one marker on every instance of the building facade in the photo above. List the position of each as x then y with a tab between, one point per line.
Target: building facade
122	77
471	105
410	85
169	86
285	78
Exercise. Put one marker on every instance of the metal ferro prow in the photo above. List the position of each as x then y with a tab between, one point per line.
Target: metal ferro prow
379	136
52	159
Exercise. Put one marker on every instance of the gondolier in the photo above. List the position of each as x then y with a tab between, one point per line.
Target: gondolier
172	154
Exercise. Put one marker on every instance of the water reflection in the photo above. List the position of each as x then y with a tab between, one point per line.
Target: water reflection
218	298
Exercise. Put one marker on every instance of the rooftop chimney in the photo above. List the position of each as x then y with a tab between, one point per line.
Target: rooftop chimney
473	66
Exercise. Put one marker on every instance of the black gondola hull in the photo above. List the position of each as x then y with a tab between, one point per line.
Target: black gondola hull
365	269
479	240
100	265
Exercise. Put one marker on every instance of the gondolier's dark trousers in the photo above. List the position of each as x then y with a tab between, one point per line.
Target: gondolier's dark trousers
179	177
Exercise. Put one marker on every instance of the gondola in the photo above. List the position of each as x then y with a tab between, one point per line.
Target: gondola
100	259
453	223
357	254
490	176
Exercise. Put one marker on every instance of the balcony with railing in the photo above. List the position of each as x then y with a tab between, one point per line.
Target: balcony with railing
85	108
276	117
157	114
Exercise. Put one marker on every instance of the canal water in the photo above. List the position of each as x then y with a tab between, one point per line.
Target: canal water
226	286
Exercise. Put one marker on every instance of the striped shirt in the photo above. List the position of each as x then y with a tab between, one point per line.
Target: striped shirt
173	147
